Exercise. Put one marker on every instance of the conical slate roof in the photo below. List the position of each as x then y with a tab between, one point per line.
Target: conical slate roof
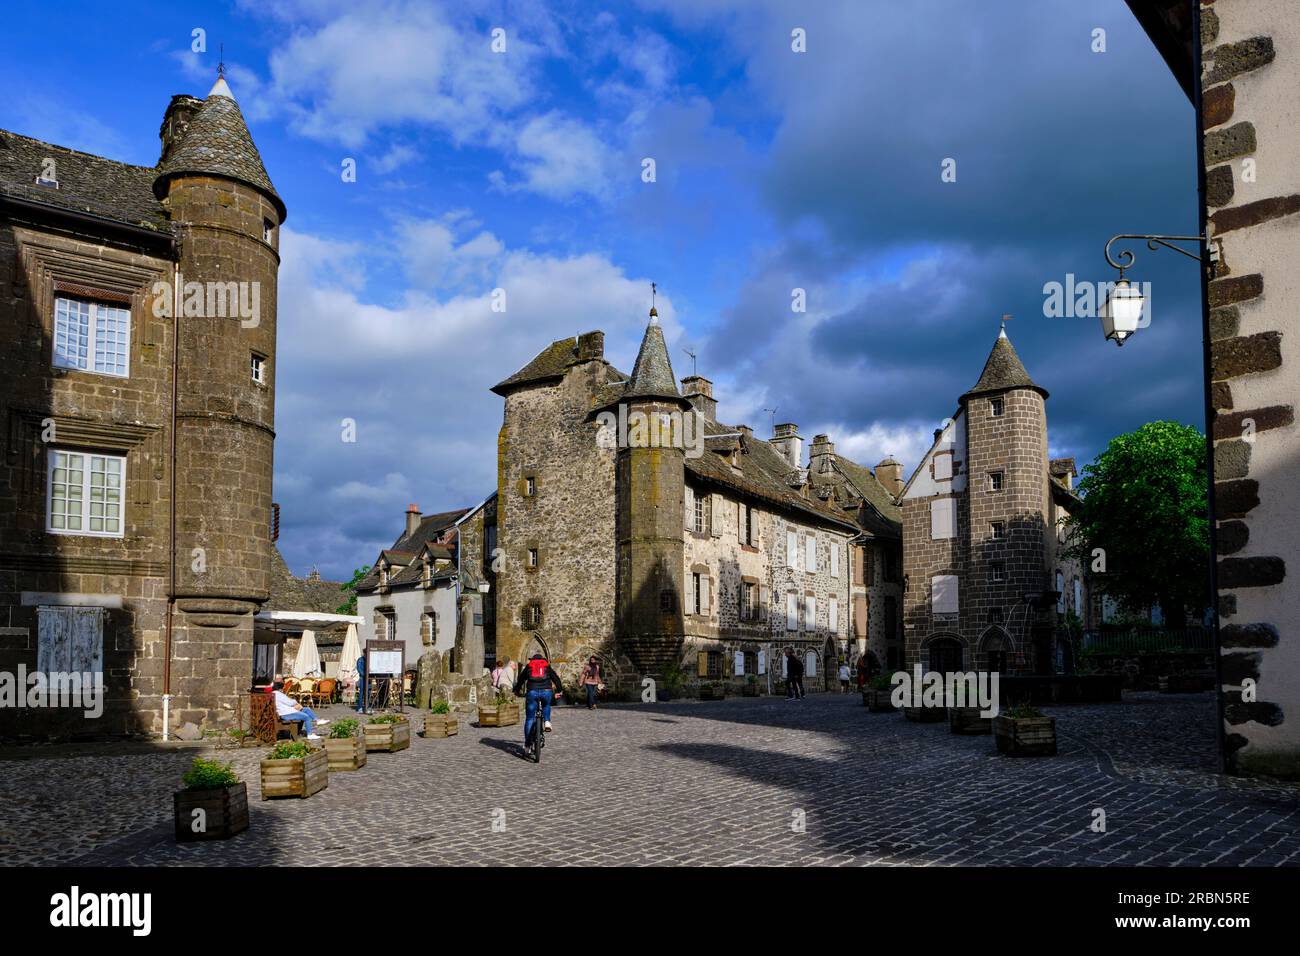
652	375
1003	370
217	143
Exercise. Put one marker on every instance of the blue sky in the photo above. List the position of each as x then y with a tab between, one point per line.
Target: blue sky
775	170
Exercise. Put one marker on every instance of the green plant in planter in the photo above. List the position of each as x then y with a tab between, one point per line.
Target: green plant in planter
387	719
504	697
672	679
209	775
751	679
440	707
347	727
1022	711
881	682
290	749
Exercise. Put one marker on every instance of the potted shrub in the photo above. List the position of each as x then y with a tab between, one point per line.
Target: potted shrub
294	769
968	720
876	695
502	712
670	683
713	690
441	722
213	805
1023	731
345	747
388	732
750	688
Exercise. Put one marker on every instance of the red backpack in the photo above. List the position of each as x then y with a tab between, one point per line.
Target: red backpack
537	669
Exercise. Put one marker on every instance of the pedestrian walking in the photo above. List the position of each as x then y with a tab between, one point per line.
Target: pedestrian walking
844	677
591	681
862	672
793	675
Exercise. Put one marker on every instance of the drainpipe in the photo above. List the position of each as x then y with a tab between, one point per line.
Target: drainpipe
171	503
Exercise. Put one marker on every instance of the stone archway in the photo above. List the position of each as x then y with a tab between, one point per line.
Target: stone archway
944	653
830	666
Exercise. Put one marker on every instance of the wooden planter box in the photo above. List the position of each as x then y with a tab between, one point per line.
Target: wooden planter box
967	720
1025	736
750	690
225	808
925	715
295	777
498	715
346	753
388	737
709	692
879	702
441	725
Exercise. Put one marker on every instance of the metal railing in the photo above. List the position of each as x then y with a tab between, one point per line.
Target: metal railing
1147	640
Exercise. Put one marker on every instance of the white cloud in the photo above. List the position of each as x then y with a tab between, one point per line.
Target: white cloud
561	157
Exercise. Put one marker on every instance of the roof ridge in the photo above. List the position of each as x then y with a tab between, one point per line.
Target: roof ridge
76	152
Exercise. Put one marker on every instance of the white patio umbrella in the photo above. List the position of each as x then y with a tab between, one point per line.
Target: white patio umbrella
307	663
351	651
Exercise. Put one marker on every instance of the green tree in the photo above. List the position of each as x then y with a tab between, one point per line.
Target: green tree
1145	510
350	589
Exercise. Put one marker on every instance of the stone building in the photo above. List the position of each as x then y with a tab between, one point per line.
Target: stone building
137	388
635	526
1239	64
982	515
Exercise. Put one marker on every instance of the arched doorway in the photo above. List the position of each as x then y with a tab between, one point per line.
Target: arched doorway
945	655
993	649
830	666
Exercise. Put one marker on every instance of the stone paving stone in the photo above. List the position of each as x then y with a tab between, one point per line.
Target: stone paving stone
695	783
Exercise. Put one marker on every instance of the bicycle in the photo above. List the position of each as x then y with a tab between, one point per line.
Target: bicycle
538	740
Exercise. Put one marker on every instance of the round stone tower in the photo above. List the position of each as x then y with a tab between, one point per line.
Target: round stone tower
1006	448
228	216
651	495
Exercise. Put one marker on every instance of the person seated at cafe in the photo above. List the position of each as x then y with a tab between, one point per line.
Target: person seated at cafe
289	709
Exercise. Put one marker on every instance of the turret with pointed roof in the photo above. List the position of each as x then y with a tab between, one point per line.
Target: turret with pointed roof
1003	370
216	142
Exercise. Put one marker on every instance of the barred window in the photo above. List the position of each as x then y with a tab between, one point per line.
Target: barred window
92	336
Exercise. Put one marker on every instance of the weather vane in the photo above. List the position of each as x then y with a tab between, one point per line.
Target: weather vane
221	60
1005	319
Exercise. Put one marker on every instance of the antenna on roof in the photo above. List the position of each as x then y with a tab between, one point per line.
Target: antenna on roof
772	412
692	355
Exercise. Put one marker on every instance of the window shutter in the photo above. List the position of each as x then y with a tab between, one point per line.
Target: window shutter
741	512
792	550
70	640
810	554
835	560
689	510
702	664
715	516
810	613
791	612
834	611
704	595
762	603
868	566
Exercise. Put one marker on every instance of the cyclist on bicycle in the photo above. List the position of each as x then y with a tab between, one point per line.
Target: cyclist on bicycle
537	675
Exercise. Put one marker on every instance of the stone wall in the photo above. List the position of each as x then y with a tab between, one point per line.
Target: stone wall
1251	71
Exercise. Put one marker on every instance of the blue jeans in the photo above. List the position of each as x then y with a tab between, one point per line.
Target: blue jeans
591	695
308	718
361	695
535	698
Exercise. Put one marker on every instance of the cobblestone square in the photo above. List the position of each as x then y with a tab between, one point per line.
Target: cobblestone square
691	783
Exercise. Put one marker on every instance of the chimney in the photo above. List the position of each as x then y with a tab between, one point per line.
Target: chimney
412	519
820	454
176	120
890	474
698	390
591	346
786	440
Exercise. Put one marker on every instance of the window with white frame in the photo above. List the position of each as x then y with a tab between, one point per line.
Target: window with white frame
259	369
1060	593
92	336
85	493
